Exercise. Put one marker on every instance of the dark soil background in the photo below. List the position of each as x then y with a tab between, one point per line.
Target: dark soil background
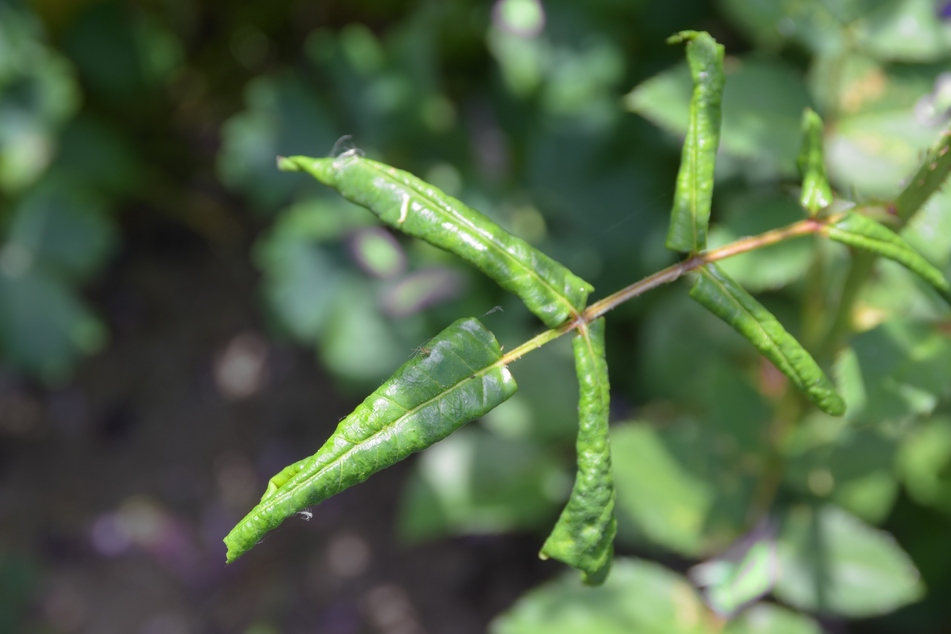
116	489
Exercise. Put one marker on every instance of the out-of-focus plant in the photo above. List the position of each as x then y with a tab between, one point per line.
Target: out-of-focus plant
56	232
771	470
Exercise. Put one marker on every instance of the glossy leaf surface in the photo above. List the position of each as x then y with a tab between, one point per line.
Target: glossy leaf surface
584	535
816	191
862	232
729	301
694	193
432	395
414	207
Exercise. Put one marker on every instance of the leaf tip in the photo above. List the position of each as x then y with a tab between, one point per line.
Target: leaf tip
288	164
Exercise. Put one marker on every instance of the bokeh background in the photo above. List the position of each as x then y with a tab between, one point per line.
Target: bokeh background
179	320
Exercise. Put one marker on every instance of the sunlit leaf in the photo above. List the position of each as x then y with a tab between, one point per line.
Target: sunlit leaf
905	31
742	574
771	267
583	537
475	482
406	203
833	563
729	301
694	192
904	369
862	232
639	596
931	175
665	500
831	458
767	618
816	192
762	105
452	382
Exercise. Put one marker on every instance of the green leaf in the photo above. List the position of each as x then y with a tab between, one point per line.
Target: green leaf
665	500
454	381
903	369
694	193
874	150
816	191
929	177
862	232
476	482
44	325
640	597
583	537
282	116
64	228
832	562
729	301
765	618
406	203
904	31
925	464
743	574
832	458
763	101
771	267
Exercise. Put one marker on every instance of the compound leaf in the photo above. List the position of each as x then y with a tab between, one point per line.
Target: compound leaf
862	232
583	537
404	202
455	380
694	194
730	302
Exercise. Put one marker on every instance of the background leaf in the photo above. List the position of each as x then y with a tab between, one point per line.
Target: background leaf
762	105
667	604
833	563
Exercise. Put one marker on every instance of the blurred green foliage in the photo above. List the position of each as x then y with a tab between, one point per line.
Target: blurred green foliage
562	122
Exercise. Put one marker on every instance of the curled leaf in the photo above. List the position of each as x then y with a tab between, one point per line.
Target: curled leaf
862	232
583	537
404	202
816	191
455	380
729	301
694	194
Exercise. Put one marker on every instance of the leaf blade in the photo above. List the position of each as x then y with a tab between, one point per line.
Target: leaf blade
399	199
816	191
583	536
856	230
427	399
833	563
728	300
928	179
694	192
